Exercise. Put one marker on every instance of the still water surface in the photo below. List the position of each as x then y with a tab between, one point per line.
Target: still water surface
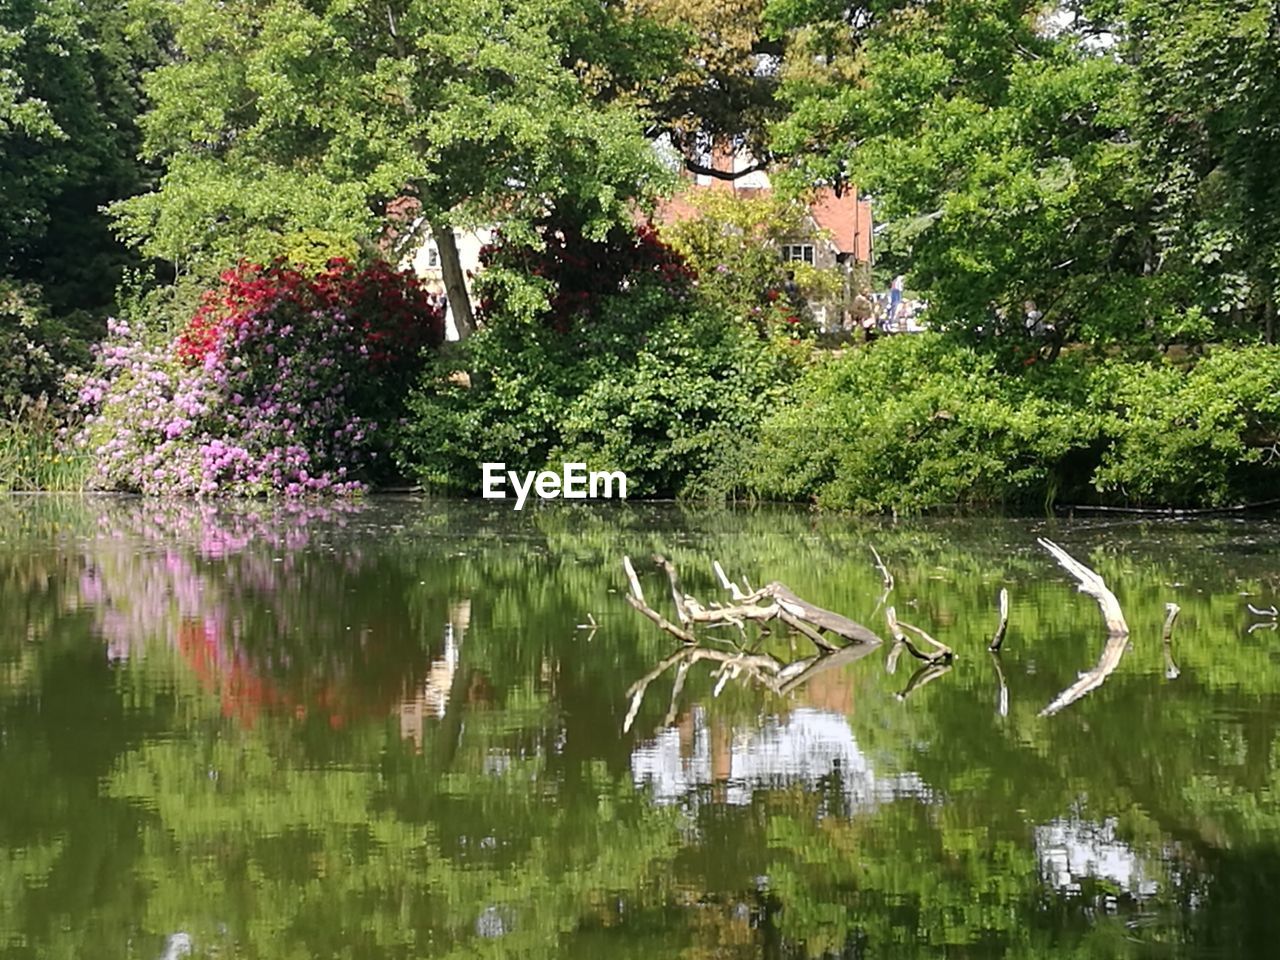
392	730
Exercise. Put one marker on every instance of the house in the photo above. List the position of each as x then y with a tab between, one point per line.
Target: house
425	261
836	234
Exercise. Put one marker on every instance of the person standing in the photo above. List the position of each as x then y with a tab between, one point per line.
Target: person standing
895	299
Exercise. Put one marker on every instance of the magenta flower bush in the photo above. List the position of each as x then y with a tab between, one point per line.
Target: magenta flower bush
292	388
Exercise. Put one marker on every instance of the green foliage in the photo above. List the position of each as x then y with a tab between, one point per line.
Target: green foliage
278	118
1113	162
732	243
68	142
34	454
999	153
918	423
1208	435
1204	88
29	364
665	388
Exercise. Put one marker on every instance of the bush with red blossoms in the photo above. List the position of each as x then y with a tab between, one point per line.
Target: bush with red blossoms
280	383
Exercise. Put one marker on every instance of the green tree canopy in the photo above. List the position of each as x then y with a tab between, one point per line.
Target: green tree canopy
289	115
68	140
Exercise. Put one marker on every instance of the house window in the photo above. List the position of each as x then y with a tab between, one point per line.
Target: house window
433	257
798	252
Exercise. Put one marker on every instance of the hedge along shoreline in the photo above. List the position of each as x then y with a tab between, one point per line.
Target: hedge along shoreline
919	423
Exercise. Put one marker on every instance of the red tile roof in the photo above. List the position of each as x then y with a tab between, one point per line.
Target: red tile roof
847	218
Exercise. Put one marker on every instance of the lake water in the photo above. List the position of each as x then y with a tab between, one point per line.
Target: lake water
396	729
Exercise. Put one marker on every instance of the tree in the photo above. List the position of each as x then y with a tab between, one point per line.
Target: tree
287	115
1205	89
997	146
69	99
723	89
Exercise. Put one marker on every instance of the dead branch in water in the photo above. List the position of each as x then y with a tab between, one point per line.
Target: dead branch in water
774	601
1270	612
1002	704
760	667
997	640
896	627
1117	630
887	577
1171	670
677	595
1092	584
922	677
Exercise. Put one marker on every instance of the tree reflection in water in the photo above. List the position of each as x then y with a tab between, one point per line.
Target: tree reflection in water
376	731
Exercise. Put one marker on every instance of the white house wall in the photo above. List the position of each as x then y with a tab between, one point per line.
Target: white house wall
470	243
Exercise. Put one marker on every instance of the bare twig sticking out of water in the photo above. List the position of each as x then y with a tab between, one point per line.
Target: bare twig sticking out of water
997	640
636	599
1171	671
943	653
888	580
1117	629
677	595
1271	612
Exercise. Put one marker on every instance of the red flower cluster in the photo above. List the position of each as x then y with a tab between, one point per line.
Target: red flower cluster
583	272
390	309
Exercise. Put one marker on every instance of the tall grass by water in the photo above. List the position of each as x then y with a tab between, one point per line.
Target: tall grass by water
34	454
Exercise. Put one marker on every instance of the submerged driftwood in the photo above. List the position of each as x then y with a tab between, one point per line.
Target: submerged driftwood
838	640
772	602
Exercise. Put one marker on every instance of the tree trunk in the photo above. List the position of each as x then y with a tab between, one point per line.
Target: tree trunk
1270	322
455	284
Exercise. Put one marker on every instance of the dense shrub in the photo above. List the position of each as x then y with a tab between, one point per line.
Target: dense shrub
733	243
1207	435
638	375
36	349
917	422
920	422
281	382
581	274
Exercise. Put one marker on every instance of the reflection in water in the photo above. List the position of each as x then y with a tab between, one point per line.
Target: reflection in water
805	748
1072	850
378	730
431	699
1091	680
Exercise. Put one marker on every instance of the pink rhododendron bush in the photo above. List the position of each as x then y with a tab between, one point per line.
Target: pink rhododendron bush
280	383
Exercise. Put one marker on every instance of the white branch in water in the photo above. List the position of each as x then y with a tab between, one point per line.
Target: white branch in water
1171	670
1092	584
896	627
886	576
997	640
635	581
